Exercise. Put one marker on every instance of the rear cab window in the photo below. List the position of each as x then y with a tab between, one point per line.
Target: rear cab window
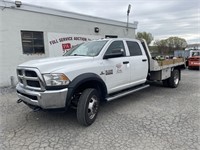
134	48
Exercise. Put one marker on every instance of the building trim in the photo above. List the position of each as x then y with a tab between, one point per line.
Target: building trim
66	14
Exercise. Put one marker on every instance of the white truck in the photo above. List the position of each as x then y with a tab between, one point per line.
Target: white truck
92	72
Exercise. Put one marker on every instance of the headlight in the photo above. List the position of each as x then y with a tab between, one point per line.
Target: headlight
56	79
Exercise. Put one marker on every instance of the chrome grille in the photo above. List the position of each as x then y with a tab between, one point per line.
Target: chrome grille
30	79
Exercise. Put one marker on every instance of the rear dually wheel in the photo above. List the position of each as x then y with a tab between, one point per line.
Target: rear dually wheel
173	80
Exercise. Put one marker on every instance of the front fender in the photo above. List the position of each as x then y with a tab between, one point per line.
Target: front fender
82	79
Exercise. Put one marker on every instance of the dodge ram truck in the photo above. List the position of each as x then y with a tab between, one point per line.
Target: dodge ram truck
92	72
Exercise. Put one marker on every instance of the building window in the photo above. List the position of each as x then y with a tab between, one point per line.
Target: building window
111	36
32	42
134	48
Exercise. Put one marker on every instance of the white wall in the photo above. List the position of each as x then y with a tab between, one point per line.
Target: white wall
1	46
12	21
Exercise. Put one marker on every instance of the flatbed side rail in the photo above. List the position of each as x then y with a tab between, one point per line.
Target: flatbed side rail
156	65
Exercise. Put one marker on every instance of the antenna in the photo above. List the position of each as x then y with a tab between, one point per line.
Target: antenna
128	12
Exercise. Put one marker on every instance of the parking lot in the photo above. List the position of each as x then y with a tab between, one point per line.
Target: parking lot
156	118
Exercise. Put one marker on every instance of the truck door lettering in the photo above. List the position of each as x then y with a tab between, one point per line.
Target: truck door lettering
109	72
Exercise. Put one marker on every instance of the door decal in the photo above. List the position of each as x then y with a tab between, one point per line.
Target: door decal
119	68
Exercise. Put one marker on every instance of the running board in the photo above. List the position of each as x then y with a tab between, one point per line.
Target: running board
124	93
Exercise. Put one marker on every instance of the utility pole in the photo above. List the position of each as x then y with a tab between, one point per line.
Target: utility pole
128	12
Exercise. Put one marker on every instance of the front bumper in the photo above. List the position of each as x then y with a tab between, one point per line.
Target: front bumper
49	99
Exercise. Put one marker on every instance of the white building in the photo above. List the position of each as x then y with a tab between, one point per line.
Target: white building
32	32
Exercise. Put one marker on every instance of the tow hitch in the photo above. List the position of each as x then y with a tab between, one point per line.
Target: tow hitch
19	101
35	109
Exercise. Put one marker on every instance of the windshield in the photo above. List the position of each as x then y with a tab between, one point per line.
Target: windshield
91	48
196	54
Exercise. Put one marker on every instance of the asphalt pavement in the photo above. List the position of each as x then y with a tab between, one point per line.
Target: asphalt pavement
156	118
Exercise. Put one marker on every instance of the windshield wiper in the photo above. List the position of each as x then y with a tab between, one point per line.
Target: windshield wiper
77	55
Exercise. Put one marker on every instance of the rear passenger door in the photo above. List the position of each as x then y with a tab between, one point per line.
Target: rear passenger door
138	63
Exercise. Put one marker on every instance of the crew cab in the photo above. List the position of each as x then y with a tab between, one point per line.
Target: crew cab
92	72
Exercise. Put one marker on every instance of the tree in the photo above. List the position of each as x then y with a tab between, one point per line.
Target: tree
167	46
144	35
176	43
161	46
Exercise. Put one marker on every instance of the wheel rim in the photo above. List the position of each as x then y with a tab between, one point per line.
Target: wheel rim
92	107
176	78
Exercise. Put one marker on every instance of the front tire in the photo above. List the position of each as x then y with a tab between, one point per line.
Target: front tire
88	106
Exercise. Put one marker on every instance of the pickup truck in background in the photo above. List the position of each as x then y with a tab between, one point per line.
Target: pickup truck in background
194	59
92	72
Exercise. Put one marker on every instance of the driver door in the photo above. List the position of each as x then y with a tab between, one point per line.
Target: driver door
117	69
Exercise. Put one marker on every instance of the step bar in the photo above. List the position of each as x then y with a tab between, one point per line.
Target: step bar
119	95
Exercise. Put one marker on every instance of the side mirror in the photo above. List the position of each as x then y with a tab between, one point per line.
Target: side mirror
113	55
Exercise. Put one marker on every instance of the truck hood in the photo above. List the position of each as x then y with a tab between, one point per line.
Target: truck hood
48	65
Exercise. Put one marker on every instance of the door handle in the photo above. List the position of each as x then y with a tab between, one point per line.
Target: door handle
144	59
125	62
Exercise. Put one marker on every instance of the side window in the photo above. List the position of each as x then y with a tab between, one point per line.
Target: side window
32	42
115	47
134	48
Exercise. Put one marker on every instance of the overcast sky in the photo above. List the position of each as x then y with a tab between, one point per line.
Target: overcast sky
162	18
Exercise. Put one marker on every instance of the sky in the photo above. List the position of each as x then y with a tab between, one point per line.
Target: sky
161	18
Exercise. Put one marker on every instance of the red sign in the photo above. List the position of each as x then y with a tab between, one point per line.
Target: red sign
66	46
